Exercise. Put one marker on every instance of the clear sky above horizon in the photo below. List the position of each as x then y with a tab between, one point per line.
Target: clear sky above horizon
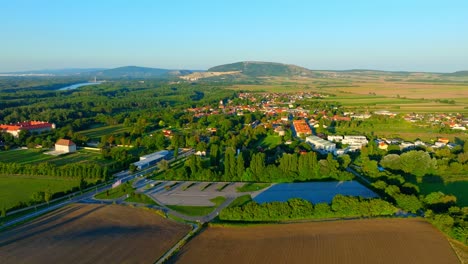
411	35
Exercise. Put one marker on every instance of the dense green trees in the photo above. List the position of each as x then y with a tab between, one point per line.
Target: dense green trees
341	206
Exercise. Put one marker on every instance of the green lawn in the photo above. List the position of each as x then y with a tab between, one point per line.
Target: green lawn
457	188
252	187
97	133
270	141
24	156
15	189
117	192
241	200
140	198
198	210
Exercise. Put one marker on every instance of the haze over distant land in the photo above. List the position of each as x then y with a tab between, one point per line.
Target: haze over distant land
398	35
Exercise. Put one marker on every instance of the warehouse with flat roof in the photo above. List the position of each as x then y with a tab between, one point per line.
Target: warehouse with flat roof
151	159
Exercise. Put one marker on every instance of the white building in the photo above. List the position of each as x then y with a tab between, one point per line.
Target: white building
65	146
151	159
355	142
321	145
336	138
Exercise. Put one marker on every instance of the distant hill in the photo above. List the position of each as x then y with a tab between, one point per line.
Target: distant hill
457	74
137	72
258	69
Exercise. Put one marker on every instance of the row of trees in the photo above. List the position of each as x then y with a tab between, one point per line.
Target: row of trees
254	168
74	170
341	206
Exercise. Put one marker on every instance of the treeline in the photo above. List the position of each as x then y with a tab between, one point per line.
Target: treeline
294	209
74	170
438	208
254	168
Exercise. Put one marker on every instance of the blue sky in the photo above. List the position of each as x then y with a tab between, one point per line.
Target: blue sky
388	35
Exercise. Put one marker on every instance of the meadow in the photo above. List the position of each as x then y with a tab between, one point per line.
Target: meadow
16	188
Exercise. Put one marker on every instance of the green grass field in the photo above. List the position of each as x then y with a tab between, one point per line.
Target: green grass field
97	133
16	189
457	188
198	210
241	200
270	141
140	198
117	192
252	187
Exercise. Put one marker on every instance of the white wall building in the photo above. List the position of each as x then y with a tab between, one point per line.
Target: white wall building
320	144
65	146
355	142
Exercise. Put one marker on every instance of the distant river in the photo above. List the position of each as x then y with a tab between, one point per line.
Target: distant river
78	85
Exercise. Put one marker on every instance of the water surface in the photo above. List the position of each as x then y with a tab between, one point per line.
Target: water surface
314	192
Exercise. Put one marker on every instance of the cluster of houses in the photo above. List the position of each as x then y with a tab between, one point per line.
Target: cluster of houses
454	121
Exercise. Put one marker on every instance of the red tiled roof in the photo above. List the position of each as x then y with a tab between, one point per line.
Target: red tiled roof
65	142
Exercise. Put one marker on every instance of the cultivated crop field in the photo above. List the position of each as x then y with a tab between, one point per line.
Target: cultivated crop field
24	156
352	241
375	94
35	156
97	133
91	234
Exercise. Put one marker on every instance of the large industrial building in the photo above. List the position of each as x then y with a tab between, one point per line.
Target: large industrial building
321	145
151	159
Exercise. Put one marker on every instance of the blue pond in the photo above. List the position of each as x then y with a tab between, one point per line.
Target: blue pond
315	192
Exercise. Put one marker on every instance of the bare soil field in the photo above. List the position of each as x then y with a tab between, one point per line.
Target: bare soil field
352	241
85	233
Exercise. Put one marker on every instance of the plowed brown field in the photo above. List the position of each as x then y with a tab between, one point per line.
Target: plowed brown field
84	233
355	241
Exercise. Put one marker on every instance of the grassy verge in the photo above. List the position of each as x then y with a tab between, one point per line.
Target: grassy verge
117	192
198	210
140	198
252	187
222	187
241	200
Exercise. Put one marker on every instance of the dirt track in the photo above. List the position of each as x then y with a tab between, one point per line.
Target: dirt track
355	241
91	234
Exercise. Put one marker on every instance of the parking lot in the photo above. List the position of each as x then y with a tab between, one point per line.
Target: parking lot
192	193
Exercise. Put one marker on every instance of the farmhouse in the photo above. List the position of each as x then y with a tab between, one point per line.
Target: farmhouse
321	145
151	159
31	126
65	146
301	127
